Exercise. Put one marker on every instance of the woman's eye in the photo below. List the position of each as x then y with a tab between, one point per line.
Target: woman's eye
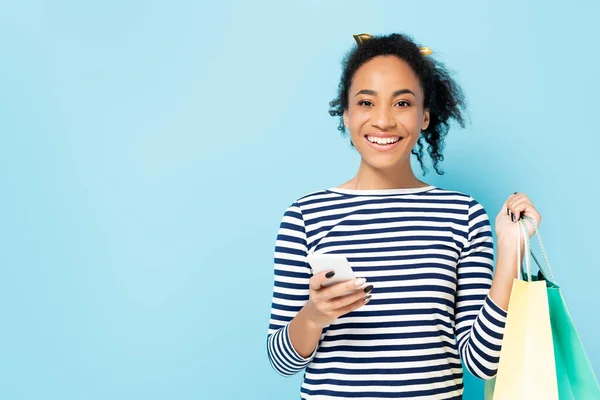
402	103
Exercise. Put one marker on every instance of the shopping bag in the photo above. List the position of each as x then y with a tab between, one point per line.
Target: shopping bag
574	372
526	370
576	379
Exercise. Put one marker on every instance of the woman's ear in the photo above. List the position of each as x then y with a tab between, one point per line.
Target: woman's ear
425	123
346	119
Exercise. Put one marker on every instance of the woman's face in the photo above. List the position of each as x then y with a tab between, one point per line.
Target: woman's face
385	113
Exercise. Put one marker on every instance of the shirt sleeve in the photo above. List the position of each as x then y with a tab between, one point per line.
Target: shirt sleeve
290	292
479	321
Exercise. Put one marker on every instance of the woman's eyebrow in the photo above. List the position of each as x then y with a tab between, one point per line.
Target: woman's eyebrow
396	93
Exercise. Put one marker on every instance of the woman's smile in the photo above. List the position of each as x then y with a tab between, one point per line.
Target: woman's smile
383	142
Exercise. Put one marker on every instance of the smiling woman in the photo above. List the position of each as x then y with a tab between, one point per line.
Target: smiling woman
390	88
424	298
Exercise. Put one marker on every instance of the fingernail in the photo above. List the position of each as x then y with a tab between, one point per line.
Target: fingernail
329	274
360	281
367	298
368	288
507	211
512	216
515	192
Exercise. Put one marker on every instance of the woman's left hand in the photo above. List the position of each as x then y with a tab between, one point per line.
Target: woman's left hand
518	204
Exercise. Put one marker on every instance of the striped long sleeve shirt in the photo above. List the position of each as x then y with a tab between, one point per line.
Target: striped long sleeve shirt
429	254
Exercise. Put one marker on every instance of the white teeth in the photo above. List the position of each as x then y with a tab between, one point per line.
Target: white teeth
387	140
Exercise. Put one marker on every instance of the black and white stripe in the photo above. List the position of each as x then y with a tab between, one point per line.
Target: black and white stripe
429	254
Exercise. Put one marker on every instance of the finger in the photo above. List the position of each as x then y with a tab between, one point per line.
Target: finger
340	289
316	282
337	303
515	208
522	196
514	205
505	207
513	198
353	306
520	207
524	207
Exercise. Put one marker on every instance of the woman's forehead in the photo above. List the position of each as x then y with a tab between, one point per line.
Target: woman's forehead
385	74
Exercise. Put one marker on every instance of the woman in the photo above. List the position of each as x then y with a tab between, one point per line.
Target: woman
425	298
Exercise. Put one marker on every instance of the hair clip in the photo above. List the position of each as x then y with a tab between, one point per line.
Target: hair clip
363	37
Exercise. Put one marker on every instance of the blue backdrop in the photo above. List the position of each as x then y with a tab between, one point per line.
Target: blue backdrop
148	150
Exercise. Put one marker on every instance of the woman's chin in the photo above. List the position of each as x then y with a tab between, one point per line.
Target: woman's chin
383	162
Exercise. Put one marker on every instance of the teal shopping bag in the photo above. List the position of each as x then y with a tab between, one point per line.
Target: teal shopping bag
574	373
575	376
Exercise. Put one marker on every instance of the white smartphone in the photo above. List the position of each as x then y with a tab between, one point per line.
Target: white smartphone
331	262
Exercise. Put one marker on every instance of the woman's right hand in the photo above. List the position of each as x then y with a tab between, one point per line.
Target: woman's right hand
326	304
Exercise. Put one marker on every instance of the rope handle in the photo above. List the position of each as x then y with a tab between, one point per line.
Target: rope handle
529	253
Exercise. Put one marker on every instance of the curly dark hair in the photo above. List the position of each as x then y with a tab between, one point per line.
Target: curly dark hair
442	94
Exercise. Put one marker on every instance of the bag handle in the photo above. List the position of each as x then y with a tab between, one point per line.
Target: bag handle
529	253
520	272
525	274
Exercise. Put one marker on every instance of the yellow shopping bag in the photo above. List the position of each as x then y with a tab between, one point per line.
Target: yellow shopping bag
527	369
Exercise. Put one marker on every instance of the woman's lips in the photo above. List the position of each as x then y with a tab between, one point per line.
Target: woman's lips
384	147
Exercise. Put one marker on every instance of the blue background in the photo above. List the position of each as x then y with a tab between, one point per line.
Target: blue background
148	150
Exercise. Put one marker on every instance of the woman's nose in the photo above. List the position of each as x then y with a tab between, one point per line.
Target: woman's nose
382	118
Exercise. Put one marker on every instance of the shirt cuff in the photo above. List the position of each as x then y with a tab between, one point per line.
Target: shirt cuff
495	311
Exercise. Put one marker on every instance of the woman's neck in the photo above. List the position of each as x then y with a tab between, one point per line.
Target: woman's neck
369	178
